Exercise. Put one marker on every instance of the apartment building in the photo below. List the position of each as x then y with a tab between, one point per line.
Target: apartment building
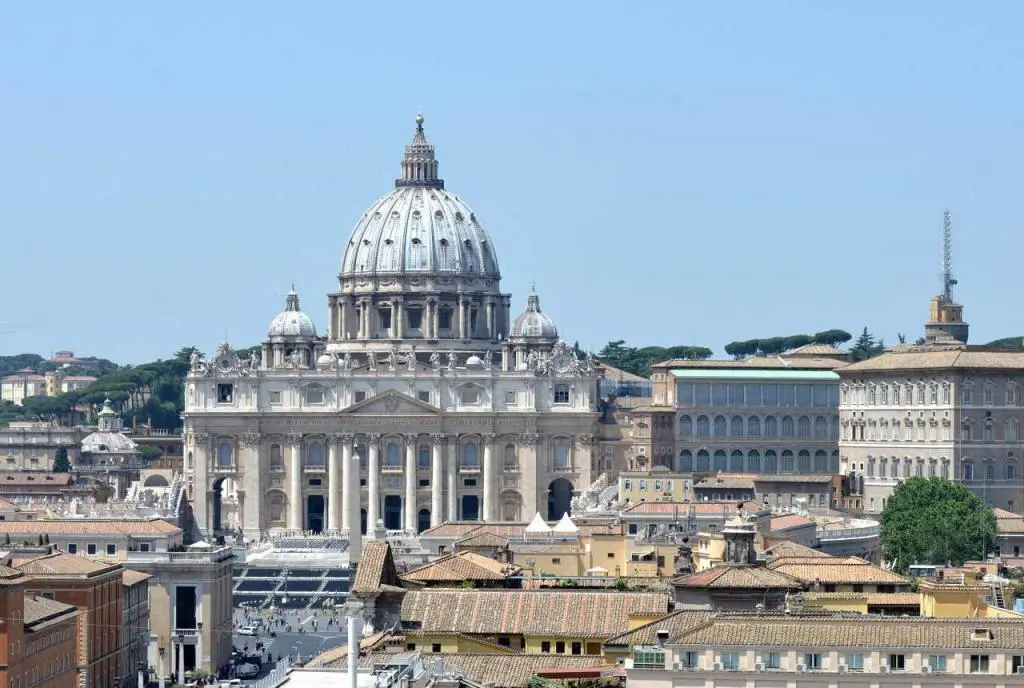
31	445
801	651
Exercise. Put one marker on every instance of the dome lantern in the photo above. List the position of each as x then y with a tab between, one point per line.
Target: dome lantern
419	166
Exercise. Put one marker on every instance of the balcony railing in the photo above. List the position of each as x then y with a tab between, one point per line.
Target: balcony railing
469	468
220	468
511	468
391	469
208	556
314	468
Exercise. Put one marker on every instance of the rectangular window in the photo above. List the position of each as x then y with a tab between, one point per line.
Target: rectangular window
72	548
684	394
111	549
702	394
275	397
360	396
812	660
786	395
979	664
510	398
937	663
225	393
143	547
657	486
690	659
854	661
560	647
897	662
772	660
769	395
735	395
90	549
719	394
752	394
627	485
556	560
561	394
545	646
645	659
968	395
643	486
731	661
803	395
415	316
577	648
435	647
820	395
424	396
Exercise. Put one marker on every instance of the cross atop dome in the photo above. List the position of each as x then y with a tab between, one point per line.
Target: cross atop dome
419	166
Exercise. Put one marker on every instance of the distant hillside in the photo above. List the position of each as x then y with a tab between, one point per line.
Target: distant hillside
9	364
88	365
1008	343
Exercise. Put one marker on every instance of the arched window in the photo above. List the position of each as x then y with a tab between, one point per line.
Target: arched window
703	426
753	461
968	471
753	426
931	468
721	461
803	461
361	453
834	462
393	455
944	467
736	461
423	458
720	426
990	471
225	455
736	426
883	467
771	427
894	468
990	432
276	462
787	461
787	426
820	427
1010	431
470	457
561	461
511	462
820	462
907	467
803	427
833	431
703	461
315	455
685	426
686	461
771	462
966	432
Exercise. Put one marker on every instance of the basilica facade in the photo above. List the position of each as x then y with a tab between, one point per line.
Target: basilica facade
425	401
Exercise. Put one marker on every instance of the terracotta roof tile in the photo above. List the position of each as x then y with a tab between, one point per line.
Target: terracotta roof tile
60	564
462	566
675	623
725	482
835	570
788	548
1003	513
41	608
724	508
131	577
751	577
482	539
154	527
546	547
928	358
869	631
758	363
788	521
495	670
376	570
521	612
25	478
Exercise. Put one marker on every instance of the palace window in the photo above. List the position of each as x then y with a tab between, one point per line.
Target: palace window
444	318
314	394
685	426
561	394
275	458
393	455
561	455
470	457
315	455
225	393
753	426
469	395
736	426
225	454
423	457
511	462
703	426
987	395
720	426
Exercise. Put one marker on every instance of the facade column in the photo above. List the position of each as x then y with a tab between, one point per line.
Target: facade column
410	483
346	485
333	483
436	478
181	663
528	456
489	473
343	318
398	314
295	483
453	479
373	487
252	504
462	318
201	472
491	334
332	317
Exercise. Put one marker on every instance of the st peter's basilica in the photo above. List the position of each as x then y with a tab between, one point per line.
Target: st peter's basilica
420	401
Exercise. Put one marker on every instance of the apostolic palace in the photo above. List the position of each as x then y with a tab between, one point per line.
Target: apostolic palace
421	401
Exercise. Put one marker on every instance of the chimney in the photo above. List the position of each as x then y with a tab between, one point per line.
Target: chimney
660	637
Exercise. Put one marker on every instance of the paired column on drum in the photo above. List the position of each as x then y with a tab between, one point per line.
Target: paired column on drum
295	482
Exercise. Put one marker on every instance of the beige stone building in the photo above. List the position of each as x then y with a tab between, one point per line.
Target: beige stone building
31	445
424	402
800	651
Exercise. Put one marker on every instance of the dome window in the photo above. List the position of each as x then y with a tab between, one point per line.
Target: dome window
444	242
459	217
395	215
388	242
366	242
416	242
438	215
472	218
468	243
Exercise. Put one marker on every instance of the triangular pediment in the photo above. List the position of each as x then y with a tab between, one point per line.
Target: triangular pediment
391	403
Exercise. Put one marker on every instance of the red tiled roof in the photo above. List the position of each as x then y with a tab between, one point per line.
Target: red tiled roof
731	576
788	521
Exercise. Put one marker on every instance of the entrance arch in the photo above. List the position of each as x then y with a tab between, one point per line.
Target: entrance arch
156	480
470	508
392	512
559	498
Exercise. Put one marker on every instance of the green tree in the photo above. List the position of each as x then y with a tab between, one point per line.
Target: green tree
866	346
934	521
61	464
1008	343
832	337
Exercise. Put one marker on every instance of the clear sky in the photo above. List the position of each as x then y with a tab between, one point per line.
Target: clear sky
668	173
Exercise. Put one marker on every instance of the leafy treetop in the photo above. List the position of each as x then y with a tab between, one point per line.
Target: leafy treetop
639	361
771	346
935	521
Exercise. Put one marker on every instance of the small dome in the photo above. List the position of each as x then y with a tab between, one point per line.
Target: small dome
292	322
474	361
533	323
324	360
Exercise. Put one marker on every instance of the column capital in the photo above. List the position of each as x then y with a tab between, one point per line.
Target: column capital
200	436
249	439
341	436
529	439
294	438
438	436
490	438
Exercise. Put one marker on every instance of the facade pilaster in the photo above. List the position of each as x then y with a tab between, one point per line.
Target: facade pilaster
372	484
343	318
453	479
346	480
436	480
462	318
201	468
398	317
489	479
410	483
295	482
251	499
531	473
333	484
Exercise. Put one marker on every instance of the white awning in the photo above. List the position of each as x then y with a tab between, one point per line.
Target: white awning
538	526
565	526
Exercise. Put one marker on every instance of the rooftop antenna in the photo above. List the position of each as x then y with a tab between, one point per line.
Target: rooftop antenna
948	281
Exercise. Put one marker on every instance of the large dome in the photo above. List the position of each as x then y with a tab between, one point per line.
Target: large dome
420	228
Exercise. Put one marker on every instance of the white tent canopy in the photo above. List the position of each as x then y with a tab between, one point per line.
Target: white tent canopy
565	526
538	526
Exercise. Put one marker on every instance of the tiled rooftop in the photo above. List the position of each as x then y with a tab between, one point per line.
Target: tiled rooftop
376	571
462	566
132	577
536	613
675	623
743	577
788	521
39	609
930	358
60	564
723	508
482	539
833	570
127	527
788	548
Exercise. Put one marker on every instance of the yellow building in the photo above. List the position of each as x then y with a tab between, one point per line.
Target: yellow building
658	485
597	554
533	621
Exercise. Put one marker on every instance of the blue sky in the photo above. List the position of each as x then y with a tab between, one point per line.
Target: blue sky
668	173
